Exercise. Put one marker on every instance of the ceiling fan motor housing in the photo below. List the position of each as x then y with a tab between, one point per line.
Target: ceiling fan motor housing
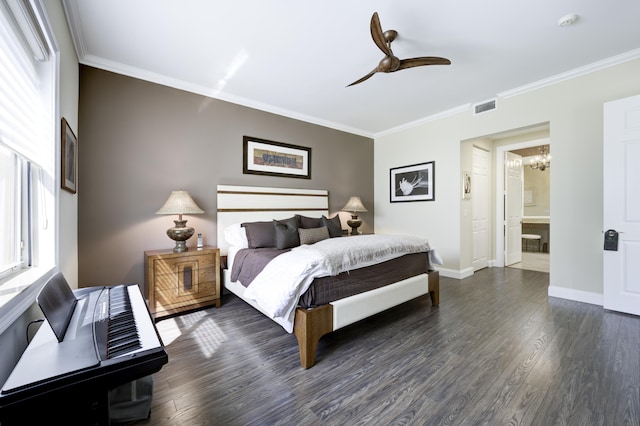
389	64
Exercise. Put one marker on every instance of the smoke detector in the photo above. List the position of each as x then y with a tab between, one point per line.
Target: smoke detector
567	20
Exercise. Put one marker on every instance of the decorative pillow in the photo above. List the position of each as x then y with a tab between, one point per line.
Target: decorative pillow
313	235
236	235
286	233
260	234
334	226
309	222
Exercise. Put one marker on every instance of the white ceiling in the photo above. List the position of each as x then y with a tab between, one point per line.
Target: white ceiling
294	58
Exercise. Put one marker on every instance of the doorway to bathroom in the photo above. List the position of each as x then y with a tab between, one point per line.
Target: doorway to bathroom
535	219
495	218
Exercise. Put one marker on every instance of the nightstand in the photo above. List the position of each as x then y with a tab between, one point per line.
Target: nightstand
178	282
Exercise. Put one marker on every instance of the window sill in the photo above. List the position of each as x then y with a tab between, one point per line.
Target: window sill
19	293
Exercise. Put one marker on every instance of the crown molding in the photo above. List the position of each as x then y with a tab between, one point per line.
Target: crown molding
146	75
72	15
558	78
571	74
71	12
433	117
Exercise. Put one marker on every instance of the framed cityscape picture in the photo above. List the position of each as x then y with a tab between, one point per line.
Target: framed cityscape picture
263	157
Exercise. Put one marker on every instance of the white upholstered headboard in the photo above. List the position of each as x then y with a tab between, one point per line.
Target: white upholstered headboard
237	204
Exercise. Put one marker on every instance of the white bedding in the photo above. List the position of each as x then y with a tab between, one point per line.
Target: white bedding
281	283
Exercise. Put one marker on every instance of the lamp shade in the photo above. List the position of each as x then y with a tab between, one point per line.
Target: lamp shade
180	202
354	205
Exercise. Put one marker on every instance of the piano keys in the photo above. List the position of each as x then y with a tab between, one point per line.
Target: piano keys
107	339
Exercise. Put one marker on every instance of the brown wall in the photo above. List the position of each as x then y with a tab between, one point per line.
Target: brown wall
138	141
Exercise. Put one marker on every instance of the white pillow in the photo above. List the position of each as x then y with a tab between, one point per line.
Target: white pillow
236	235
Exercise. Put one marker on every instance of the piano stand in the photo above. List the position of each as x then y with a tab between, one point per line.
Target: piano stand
131	401
66	381
83	405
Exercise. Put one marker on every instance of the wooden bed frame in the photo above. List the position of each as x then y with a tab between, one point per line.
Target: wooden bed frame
237	204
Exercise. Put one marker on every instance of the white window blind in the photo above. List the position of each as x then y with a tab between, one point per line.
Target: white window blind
28	136
25	119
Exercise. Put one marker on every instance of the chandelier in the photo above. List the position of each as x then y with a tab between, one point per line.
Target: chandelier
541	161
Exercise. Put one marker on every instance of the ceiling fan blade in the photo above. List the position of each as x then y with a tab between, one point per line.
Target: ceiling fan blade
425	60
378	35
375	70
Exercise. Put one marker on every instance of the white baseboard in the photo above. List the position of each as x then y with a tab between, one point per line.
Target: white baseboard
553	291
576	295
457	274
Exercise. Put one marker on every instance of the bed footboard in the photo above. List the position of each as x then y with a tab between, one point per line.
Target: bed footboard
311	324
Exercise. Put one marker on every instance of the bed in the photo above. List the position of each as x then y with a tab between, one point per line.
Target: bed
242	209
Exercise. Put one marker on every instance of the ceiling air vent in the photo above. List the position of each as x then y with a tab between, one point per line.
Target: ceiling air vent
484	107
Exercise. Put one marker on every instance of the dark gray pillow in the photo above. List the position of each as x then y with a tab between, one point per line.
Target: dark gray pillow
309	222
313	235
260	234
334	226
286	233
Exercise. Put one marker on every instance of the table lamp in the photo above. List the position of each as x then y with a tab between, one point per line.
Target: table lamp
180	202
354	206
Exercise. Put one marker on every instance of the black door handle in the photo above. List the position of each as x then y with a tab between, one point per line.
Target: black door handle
611	240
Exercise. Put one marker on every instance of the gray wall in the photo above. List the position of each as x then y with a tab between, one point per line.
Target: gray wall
138	141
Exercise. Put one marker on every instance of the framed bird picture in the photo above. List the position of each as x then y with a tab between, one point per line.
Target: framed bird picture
416	182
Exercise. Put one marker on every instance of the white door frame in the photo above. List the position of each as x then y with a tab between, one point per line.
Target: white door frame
499	216
480	203
514	190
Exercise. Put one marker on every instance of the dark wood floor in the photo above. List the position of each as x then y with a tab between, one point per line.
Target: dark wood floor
497	351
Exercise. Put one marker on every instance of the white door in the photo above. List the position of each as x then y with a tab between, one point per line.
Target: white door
513	208
621	156
481	195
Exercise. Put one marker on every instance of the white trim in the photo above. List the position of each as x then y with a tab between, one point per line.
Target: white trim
119	68
457	274
72	14
558	78
146	75
576	295
32	282
574	73
73	18
433	117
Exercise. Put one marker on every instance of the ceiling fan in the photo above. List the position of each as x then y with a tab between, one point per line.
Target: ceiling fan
390	62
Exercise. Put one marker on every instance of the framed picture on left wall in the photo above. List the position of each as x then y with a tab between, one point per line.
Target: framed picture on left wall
69	158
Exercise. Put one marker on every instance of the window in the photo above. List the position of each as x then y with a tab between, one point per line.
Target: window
10	179
28	123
